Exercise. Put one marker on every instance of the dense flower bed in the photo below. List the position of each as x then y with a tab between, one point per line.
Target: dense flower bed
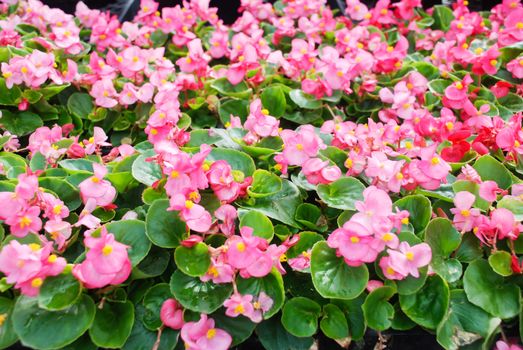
173	180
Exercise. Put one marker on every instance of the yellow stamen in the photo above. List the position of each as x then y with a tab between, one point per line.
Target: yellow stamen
34	247
478	51
240	246
239	309
405	221
3	317
493	63
265	111
299	147
355	239
465	213
107	249
449	125
24	70
459	85
37	282
25	222
283	258
174	174
435	161
409	255
52	258
57	209
95	179
390	271
189	204
211	333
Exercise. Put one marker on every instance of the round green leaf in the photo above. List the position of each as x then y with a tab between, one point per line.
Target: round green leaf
68	193
43	329
300	316
309	216
80	104
198	296
334	324
112	324
490	169
164	227
342	193
154	264
419	208
304	100
442	237
146	172
22	123
7	336
428	306
236	159
152	302
239	108
377	310
514	204
464	323
273	336
143	339
354	314
488	290
224	87
332	277
131	233
272	285
260	224
306	242
501	263
193	261
264	184
59	292
273	99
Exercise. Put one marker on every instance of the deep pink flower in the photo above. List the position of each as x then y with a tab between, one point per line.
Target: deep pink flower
171	314
94	187
203	335
464	215
408	259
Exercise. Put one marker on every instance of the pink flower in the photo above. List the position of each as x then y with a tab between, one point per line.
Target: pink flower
259	123
171	314
457	93
104	93
195	216
222	181
319	172
219	271
464	215
407	260
261	306
389	271
501	345
106	262
238	304
488	190
300	145
504	221
98	140
227	214
25	222
356	10
354	243
301	262
202	335
94	187
374	284
516	67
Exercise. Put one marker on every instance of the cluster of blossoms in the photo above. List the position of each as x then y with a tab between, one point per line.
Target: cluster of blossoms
287	148
371	230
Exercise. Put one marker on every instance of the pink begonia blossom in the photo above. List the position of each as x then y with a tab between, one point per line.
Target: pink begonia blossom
259	123
94	187
27	266
227	215
504	221
24	222
320	172
408	259
502	345
300	145
488	190
457	93
373	284
195	216
171	314
104	93
106	262
516	67
219	271
238	304
464	215
203	335
301	262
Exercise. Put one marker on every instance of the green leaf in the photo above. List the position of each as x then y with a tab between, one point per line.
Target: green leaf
470	248
80	104
225	88
501	263
9	97
236	159
334	324
342	193
429	305
193	261
59	292
240	328
154	264
131	233
112	324
332	277
273	336
273	99
377	310
442	17
238	108
37	162
146	172
442	237
7	336
143	339
305	243
512	101
300	316
438	86
43	329
260	224
354	314
419	208
272	285
22	123
68	193
514	204
152	302
304	100
464	323
488	290
309	216
473	188
198	296
264	184
490	169
280	206
164	227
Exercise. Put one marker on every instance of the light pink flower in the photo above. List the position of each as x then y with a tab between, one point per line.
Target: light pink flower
94	187
203	335
171	314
